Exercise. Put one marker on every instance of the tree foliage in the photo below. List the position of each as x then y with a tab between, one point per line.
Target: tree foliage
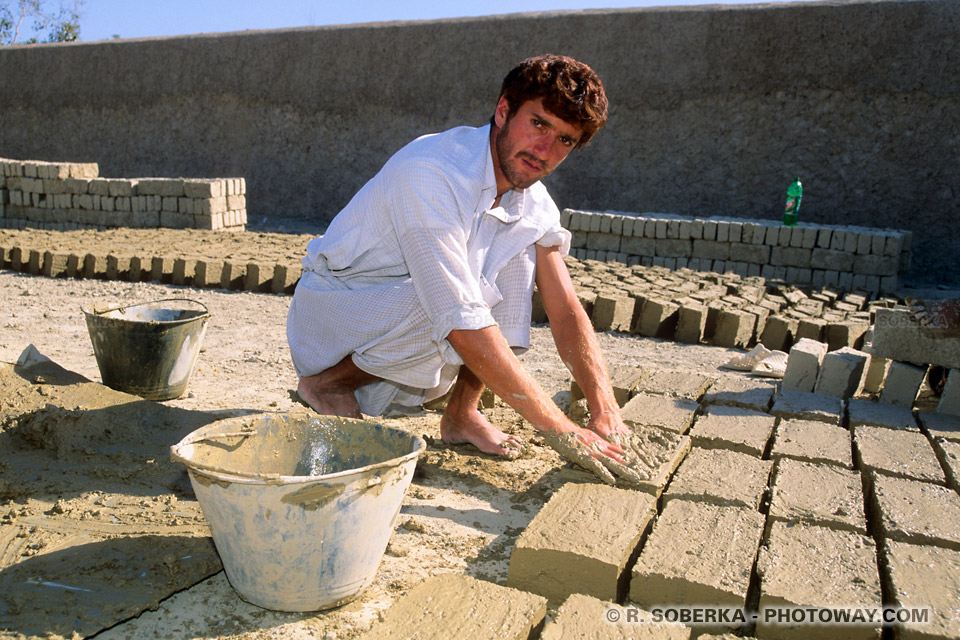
32	21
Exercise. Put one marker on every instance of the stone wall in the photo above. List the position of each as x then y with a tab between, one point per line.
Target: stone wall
715	109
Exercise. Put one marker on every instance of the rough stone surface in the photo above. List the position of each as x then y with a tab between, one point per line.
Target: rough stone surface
913	511
582	617
905	454
733	428
666	412
799	405
803	365
720	476
941	425
458	606
820	494
898	337
812	441
948	451
924	576
740	391
697	554
580	541
901	383
811	566
862	412
841	372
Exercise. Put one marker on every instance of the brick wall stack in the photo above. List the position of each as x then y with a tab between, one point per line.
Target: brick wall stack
62	196
844	257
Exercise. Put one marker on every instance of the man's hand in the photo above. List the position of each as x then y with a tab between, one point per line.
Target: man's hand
607	424
606	459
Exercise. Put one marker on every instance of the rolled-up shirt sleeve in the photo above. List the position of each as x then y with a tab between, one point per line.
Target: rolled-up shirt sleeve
433	242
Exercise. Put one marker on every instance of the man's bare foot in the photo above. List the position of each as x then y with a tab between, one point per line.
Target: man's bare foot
939	316
327	400
474	428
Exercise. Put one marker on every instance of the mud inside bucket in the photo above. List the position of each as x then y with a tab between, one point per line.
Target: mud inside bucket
150	348
300	506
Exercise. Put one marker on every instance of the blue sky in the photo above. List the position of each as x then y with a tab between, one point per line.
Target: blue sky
104	19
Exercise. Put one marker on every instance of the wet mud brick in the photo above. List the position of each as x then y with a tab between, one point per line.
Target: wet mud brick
233	276
740	391
905	454
612	313
208	273
681	384
948	452
803	365
902	382
698	554
810	566
258	278
735	328
94	266
924	577
913	511
285	278
663	452
118	267
161	269
720	477
666	412
733	428
862	412
778	333
898	337
691	323
841	372
581	541
798	405
582	617
54	265
458	606
812	441
657	318
184	270
940	425
138	272
821	494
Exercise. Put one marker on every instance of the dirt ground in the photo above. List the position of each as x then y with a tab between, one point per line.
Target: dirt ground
88	492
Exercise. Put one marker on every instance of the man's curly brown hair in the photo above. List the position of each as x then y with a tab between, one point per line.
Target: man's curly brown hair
570	90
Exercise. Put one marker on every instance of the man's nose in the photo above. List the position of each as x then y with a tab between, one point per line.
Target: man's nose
542	146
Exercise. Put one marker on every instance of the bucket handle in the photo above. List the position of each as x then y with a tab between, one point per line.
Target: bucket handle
123	307
217	436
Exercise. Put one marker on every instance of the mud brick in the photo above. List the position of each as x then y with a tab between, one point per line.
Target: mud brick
720	476
623	379
735	328
446	605
165	187
74	266
812	441
94	266
582	617
902	383
940	425
161	269
873	381
208	274
595	241
800	405
821	494
733	428
183	271
257	279
778	332
657	318
811	328
138	271
233	276
948	452
203	188
848	333
841	372
698	554
740	391
669	382
845	571
691	323
34	262
904	454
54	265
898	337
672	414
19	258
612	313
118	267
950	397
862	412
711	249
285	278
550	558
912	511
924	577
803	365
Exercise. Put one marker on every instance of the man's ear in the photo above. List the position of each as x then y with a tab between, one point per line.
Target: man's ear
502	112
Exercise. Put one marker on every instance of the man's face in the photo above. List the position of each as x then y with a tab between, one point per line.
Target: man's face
530	144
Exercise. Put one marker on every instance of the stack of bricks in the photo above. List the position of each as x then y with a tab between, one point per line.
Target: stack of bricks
62	196
843	257
727	309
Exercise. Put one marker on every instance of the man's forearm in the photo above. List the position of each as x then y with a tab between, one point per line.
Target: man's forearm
580	351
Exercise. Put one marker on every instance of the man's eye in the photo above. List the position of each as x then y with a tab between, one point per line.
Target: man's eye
536	123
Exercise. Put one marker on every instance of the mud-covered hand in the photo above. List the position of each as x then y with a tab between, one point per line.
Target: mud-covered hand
604	458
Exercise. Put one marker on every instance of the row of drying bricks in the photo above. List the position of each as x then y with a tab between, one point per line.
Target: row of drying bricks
761	502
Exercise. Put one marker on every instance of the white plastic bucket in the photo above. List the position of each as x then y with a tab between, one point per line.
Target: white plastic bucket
300	506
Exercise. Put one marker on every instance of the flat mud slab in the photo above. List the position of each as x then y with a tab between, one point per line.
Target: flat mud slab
654	410
927	578
915	512
733	428
740	391
820	494
455	606
581	541
720	476
861	412
582	617
812	441
809	566
941	425
803	405
905	454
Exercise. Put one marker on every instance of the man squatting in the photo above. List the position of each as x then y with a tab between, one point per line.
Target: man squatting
424	280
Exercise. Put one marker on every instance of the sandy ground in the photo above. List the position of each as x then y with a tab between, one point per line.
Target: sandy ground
87	486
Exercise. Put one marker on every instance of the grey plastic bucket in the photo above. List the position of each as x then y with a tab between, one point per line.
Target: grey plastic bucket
149	348
300	506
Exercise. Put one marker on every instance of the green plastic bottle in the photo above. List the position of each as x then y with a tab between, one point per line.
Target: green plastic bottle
791	212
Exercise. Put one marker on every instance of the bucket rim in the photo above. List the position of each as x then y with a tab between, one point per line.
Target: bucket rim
224	475
100	313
